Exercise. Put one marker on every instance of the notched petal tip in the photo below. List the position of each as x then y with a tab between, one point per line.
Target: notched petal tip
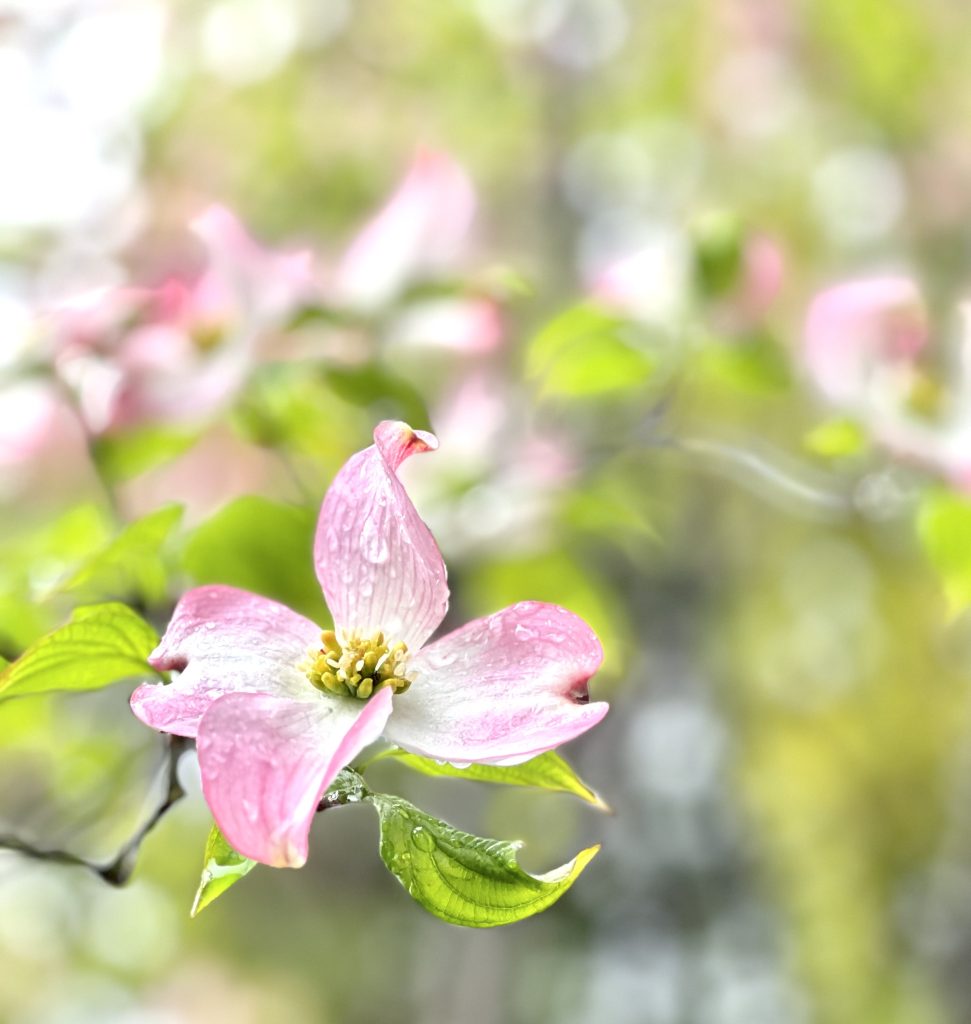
292	856
396	441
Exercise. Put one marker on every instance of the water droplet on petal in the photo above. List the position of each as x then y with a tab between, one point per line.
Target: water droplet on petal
524	633
251	811
374	543
440	659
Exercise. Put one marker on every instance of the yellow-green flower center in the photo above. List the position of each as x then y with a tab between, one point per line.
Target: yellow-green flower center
208	335
359	666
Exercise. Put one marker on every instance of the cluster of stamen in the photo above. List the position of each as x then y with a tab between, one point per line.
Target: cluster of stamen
358	667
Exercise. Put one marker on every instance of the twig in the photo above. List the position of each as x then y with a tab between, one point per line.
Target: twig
771	479
119	869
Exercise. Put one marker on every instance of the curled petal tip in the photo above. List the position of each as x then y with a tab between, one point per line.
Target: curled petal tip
396	440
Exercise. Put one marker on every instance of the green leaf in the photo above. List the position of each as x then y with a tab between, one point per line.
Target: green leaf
753	363
131	564
547	771
586	352
221	868
718	242
836	439
372	385
944	527
263	546
224	867
461	878
315	409
324	315
102	644
123	456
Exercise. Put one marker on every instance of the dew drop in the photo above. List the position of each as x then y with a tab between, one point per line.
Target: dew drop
374	544
440	659
524	633
251	811
422	839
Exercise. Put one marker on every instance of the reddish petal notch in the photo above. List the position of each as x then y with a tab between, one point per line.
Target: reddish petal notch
377	562
396	441
223	640
266	762
501	689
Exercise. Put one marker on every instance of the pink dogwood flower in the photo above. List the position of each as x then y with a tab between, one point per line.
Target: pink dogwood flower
859	332
862	348
278	708
179	352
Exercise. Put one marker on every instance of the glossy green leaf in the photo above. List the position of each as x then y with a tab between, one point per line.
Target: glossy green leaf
131	564
587	351
263	546
461	878
547	771
222	867
102	644
944	526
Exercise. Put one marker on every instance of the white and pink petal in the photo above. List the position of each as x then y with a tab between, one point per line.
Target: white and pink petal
266	762
224	640
377	562
502	689
244	278
422	228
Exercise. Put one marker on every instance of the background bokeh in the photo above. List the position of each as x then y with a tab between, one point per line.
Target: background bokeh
629	431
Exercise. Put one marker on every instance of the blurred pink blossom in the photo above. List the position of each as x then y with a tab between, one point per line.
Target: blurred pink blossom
858	331
862	345
28	416
644	285
40	438
421	232
278	708
469	325
179	352
499	477
763	275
